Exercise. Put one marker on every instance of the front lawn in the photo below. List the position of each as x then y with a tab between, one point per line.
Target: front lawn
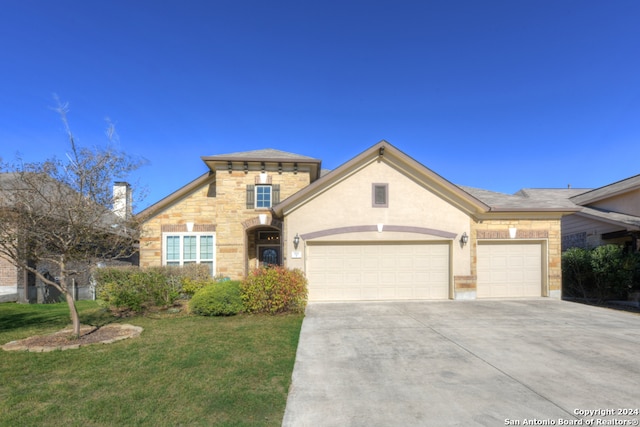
182	371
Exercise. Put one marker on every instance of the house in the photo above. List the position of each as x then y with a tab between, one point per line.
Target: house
35	204
382	226
609	214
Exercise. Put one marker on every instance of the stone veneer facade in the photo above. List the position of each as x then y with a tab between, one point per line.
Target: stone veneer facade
220	205
8	274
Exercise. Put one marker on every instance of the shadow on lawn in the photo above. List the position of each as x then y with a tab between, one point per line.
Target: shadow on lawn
16	316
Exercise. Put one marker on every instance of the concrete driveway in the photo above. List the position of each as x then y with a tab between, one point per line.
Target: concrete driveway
465	363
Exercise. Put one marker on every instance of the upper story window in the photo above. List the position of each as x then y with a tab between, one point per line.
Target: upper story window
380	196
262	196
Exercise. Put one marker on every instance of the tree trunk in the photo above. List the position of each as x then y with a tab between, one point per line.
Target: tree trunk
75	319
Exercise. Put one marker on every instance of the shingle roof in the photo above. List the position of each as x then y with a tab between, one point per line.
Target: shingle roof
526	199
264	154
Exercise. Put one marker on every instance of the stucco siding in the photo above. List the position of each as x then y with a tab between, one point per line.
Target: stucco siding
349	204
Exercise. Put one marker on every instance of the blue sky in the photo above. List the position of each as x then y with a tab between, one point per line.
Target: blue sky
499	95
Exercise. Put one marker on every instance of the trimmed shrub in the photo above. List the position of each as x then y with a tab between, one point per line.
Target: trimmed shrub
605	272
612	272
191	286
274	289
121	295
161	285
135	289
217	299
577	274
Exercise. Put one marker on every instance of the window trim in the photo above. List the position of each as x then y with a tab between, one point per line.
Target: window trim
374	186
198	259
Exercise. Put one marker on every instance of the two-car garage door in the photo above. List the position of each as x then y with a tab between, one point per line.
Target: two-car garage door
388	271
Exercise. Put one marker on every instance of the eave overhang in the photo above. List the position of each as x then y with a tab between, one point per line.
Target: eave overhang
272	163
628	222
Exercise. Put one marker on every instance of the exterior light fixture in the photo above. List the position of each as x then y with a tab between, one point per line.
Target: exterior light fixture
381	151
296	241
246	167
464	239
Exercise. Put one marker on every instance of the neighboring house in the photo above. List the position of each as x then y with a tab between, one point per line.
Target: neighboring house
380	227
609	214
18	284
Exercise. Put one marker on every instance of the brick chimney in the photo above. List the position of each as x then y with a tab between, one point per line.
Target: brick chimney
122	199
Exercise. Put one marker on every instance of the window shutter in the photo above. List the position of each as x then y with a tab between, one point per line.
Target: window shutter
251	196
275	193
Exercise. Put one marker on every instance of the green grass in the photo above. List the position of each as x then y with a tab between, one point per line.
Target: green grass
182	371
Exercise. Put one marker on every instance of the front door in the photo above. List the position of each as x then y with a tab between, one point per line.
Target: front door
268	255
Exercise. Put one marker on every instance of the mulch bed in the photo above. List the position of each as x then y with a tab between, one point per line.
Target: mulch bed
63	340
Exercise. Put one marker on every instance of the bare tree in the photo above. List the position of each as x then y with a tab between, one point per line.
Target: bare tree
60	213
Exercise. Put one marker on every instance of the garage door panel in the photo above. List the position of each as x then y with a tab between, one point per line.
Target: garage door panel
378	271
509	270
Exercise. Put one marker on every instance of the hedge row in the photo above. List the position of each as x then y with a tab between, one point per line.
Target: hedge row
266	290
603	273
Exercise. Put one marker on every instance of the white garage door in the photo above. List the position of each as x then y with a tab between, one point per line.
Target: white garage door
340	272
509	270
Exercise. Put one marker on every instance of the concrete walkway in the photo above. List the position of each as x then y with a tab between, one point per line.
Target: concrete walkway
464	363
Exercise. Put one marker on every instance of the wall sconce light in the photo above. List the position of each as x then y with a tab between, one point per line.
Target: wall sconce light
229	166
296	242
464	239
381	151
295	168
246	167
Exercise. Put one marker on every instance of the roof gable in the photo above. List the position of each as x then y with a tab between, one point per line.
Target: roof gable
205	179
384	151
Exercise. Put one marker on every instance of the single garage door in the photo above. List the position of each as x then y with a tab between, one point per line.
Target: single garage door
360	271
509	270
